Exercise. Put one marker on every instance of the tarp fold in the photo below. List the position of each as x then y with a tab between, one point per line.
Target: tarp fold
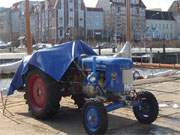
53	61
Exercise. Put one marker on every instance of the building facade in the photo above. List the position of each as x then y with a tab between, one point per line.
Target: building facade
60	20
160	25
108	22
15	23
175	9
43	22
95	23
18	18
5	27
115	12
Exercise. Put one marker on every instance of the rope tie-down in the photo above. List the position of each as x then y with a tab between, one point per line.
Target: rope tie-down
4	110
3	104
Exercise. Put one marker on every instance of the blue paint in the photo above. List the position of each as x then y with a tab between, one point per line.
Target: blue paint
89	79
115	105
103	61
114	84
94	65
53	61
92	118
111	66
93	74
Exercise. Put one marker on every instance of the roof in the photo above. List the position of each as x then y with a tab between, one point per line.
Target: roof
136	4
142	4
103	4
2	9
95	9
159	15
15	5
175	7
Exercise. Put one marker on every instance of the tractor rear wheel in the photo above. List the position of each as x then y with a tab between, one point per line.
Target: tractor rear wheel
43	96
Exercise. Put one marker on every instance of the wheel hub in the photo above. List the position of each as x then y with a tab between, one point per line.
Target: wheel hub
92	118
144	108
38	91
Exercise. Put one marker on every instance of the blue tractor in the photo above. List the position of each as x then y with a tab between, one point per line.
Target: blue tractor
97	84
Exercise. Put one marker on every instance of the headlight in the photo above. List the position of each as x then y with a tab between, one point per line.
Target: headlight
92	79
113	76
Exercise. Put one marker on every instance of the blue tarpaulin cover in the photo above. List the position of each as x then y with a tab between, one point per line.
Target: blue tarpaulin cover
53	61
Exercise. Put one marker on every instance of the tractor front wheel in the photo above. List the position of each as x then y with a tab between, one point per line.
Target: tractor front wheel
95	119
147	109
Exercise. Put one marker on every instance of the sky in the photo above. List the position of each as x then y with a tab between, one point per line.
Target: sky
163	4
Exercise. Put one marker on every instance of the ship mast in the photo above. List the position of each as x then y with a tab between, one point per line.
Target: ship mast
28	29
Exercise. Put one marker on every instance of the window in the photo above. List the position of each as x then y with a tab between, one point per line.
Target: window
159	26
118	25
82	6
71	21
71	9
171	35
60	20
59	4
171	26
61	32
119	9
163	26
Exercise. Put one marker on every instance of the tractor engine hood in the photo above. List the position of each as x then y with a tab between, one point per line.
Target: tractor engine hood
103	61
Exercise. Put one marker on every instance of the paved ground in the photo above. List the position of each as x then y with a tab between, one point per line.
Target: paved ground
121	122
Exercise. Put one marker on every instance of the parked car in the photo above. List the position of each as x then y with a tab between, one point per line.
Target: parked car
3	45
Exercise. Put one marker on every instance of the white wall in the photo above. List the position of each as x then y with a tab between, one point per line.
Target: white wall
177	18
95	20
167	28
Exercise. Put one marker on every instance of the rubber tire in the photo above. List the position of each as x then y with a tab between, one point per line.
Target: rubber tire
53	96
154	108
103	124
79	100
